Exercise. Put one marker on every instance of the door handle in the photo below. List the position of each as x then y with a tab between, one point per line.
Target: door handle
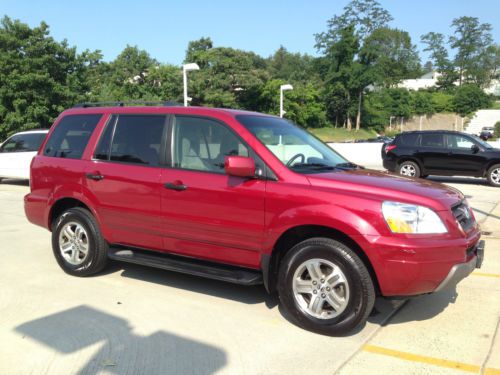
175	186
95	177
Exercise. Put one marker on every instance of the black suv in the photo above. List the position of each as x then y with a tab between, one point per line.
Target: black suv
445	153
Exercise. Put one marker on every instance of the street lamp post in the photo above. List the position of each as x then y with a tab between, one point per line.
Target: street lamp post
283	88
187	68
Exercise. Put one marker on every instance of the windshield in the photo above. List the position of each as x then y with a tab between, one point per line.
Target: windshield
293	146
481	142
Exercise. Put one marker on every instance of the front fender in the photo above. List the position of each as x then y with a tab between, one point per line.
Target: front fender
339	218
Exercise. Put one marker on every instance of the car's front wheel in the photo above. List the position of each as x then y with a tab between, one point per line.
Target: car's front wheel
78	244
325	287
494	175
409	169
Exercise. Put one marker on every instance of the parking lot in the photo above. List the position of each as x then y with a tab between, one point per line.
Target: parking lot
132	319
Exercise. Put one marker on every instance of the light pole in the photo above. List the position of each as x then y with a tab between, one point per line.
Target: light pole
187	68
283	88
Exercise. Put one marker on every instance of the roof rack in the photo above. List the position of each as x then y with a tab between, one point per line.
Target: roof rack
167	103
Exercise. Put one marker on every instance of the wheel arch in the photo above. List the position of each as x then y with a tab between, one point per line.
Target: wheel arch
292	236
489	165
62	205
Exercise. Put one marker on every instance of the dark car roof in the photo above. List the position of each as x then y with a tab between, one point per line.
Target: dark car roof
432	132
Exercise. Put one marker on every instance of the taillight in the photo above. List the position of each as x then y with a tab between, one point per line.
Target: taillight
389	148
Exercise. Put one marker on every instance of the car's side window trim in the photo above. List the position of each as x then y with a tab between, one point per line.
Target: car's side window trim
267	172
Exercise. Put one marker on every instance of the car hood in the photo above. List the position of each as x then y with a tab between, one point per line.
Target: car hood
386	186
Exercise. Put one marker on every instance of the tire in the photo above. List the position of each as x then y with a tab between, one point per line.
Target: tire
409	169
354	285
77	243
493	175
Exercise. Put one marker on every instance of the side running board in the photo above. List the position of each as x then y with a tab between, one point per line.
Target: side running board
190	266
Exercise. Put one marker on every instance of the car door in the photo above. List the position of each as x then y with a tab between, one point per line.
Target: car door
206	213
124	178
432	153
16	154
462	157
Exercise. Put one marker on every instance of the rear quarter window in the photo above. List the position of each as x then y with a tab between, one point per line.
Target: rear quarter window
409	139
70	137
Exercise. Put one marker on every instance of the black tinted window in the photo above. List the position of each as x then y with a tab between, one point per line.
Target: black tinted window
201	144
104	146
23	142
411	139
432	140
71	136
137	139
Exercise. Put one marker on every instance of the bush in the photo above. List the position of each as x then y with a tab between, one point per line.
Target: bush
442	101
497	129
470	98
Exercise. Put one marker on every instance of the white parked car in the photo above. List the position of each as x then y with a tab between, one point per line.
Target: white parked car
17	151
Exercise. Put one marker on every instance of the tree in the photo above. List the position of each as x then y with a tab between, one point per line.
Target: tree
39	77
230	77
391	55
291	66
439	54
470	98
365	15
472	40
359	21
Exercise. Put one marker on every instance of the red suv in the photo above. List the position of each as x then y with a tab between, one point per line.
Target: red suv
246	198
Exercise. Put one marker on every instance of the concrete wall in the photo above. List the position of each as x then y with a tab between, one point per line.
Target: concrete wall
365	154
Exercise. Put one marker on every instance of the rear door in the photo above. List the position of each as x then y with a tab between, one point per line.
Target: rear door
207	213
432	153
16	154
124	177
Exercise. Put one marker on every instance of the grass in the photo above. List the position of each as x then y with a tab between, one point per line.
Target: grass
341	134
495	105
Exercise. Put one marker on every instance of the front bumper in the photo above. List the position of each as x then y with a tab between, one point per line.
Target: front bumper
460	271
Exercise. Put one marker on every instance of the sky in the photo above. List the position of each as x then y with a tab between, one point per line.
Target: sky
164	28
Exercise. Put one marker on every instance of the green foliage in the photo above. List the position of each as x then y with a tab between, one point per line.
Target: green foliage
472	40
497	129
470	98
39	77
353	81
422	103
442	102
392	56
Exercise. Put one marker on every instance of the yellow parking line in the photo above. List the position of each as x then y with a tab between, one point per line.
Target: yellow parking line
424	359
486	274
491	371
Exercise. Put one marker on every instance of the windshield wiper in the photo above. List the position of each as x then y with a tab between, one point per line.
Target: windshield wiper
347	165
316	166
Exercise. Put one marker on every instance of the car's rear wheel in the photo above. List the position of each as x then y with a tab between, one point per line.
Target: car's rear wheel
494	175
78	244
409	169
325	287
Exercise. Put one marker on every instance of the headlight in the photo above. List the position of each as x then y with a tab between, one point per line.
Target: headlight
410	218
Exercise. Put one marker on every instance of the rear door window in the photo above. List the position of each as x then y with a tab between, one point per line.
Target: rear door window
69	139
135	139
432	140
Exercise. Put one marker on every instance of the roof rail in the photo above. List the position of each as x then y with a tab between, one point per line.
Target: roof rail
167	103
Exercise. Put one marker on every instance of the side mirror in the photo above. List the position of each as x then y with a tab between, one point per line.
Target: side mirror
475	149
239	166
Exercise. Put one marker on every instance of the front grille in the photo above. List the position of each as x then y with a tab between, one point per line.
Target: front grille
463	215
